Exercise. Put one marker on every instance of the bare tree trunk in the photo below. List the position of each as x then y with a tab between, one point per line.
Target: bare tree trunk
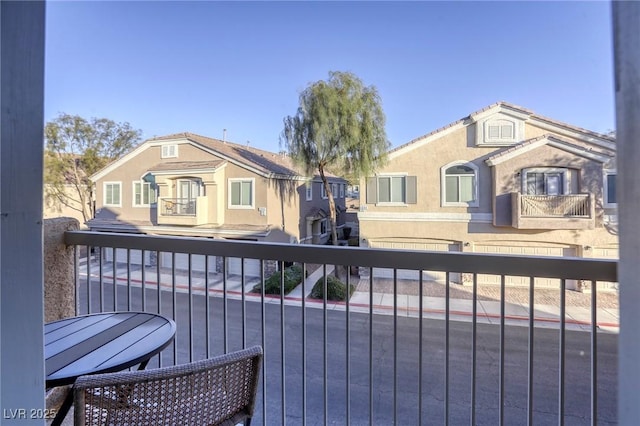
332	214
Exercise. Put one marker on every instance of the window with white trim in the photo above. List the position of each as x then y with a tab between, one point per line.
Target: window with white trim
143	194
323	227
460	187
310	191
323	192
112	194
169	151
342	190
610	178
499	131
241	193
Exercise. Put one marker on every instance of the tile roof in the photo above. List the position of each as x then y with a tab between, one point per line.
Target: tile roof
519	146
317	213
265	161
547	136
510	106
186	165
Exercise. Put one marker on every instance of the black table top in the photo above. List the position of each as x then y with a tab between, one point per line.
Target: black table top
102	343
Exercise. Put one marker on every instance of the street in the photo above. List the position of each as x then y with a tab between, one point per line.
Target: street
380	358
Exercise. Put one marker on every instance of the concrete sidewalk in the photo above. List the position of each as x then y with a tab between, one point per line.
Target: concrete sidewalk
516	310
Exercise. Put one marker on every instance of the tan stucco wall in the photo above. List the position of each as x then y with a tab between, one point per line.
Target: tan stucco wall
585	175
474	224
480	233
426	161
284	199
53	209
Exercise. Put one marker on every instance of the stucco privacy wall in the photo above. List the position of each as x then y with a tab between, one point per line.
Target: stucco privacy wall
59	284
59	281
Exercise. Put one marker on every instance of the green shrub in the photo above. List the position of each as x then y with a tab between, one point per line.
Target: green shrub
336	289
292	277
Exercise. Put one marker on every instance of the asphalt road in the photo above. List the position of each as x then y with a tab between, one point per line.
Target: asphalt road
371	398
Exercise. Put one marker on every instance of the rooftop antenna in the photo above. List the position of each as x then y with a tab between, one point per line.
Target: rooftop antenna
224	135
248	142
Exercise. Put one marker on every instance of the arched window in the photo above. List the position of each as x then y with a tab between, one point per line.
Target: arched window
460	184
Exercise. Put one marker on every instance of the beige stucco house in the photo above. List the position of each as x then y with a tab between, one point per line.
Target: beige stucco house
191	185
52	208
501	180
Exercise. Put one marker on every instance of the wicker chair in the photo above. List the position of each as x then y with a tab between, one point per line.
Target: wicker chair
217	391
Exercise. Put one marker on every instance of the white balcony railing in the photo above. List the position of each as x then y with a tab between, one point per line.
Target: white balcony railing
392	358
573	205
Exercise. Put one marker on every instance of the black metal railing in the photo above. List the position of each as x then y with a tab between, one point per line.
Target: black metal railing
393	353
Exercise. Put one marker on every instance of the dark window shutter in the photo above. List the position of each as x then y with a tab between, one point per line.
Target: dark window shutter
372	190
412	189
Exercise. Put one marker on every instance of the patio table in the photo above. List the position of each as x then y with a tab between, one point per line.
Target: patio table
101	343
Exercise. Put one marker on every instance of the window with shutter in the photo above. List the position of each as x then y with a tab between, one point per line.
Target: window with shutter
392	190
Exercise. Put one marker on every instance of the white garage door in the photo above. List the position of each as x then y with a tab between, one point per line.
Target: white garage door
251	267
182	262
408	274
606	253
556	251
135	256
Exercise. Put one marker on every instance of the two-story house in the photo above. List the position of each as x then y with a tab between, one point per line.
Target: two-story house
501	180
190	185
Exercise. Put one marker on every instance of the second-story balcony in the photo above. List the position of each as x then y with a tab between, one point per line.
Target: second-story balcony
182	211
571	211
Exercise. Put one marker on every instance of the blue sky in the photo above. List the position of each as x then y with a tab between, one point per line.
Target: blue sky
169	67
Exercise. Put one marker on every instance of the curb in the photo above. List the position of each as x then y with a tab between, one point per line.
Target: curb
258	297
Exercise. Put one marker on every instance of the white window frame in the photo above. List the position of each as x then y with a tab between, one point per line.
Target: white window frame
323	191
605	187
142	185
443	185
104	194
326	227
501	123
253	193
166	151
391	203
342	190
309	191
566	177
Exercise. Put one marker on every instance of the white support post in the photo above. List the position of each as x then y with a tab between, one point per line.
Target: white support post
626	29
21	272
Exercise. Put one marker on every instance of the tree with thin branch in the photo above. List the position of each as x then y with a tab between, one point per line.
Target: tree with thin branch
339	128
75	149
